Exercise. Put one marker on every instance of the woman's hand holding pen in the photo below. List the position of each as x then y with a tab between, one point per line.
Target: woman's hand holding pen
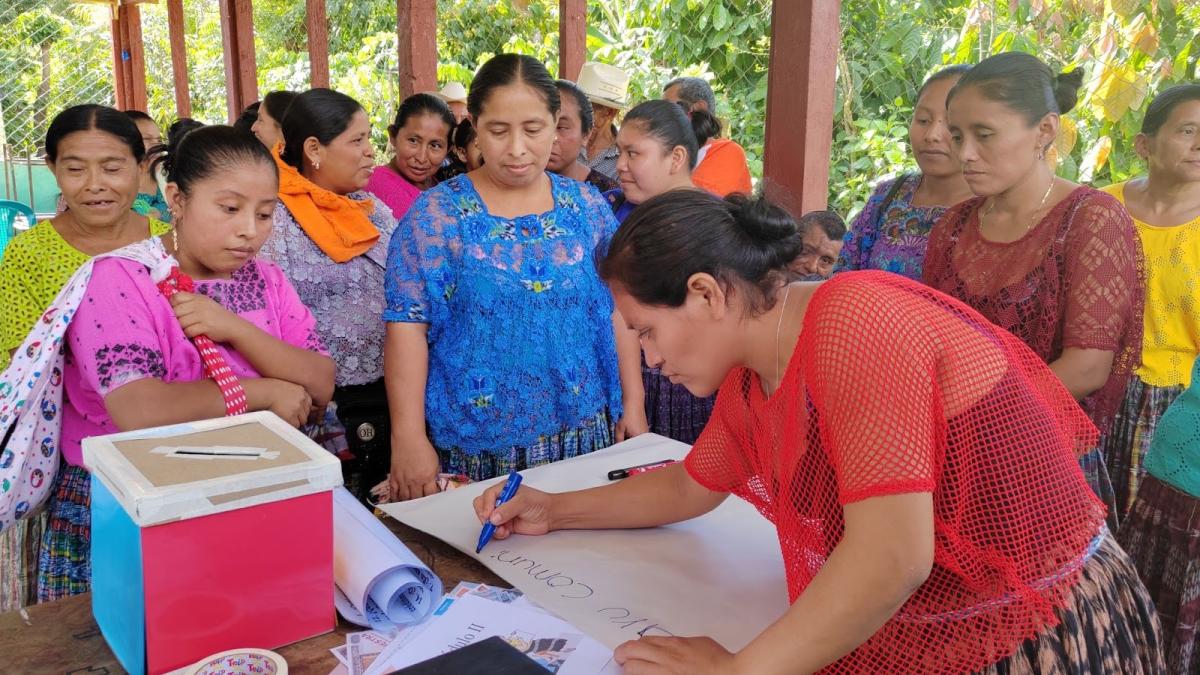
528	512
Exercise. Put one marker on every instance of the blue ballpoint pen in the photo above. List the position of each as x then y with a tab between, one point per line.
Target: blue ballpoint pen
510	489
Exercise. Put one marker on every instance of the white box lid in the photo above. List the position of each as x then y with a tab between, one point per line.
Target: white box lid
165	473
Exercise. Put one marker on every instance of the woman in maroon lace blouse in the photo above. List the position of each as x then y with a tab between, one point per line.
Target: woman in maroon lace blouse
1055	263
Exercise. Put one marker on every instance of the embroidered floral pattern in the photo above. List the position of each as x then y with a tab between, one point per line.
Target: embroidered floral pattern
893	240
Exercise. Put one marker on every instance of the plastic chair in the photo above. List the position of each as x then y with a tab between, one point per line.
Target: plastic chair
11	216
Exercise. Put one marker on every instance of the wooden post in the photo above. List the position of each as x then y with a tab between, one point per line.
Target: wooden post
183	94
416	28
118	45
572	38
126	56
317	26
237	35
137	56
800	100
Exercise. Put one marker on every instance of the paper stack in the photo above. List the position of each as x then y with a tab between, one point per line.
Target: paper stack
473	612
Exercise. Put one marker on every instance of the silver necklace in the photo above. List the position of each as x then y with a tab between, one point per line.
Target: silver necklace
778	328
1033	220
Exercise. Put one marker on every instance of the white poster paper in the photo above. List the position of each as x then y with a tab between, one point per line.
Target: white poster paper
719	575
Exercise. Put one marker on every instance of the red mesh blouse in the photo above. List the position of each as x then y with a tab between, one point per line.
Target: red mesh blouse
895	388
1074	280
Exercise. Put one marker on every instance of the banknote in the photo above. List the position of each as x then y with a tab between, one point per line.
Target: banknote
362	649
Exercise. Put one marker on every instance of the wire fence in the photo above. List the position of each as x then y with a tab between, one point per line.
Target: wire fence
207	86
53	54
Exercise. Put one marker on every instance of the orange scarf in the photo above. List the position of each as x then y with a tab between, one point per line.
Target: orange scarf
337	224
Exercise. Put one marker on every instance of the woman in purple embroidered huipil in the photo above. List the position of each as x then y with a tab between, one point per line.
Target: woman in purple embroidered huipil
892	230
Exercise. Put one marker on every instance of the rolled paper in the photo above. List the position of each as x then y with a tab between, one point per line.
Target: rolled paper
380	583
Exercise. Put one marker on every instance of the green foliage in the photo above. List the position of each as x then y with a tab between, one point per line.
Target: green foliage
725	41
1129	49
53	54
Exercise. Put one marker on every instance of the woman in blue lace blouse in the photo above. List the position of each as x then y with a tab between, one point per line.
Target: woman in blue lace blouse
502	342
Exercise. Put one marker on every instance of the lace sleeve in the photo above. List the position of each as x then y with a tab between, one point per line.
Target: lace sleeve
597	208
419	278
937	271
275	247
1103	281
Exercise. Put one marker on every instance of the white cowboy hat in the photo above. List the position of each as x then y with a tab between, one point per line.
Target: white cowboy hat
604	84
453	92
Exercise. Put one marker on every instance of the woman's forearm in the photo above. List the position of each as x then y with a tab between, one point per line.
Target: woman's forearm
280	360
1083	371
659	497
884	556
406	373
629	363
150	402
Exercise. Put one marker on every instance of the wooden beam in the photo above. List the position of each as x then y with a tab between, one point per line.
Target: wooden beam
416	28
572	38
183	94
237	37
128	100
118	45
800	101
137	57
317	26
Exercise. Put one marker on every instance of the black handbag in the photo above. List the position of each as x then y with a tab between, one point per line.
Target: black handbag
363	410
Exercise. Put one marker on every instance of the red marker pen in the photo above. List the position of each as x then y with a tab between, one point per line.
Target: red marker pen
618	474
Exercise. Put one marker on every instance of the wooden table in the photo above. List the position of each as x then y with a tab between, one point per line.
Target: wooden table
62	637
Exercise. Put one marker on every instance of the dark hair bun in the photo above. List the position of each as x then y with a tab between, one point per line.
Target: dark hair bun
743	241
705	125
210	151
1066	89
462	134
763	221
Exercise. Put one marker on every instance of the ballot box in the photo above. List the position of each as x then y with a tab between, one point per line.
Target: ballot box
210	536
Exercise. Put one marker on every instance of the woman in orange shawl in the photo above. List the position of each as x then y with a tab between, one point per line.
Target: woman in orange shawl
331	239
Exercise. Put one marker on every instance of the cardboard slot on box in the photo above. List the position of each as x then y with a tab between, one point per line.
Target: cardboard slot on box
210	536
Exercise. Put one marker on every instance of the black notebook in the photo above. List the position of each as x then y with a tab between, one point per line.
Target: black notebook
492	656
